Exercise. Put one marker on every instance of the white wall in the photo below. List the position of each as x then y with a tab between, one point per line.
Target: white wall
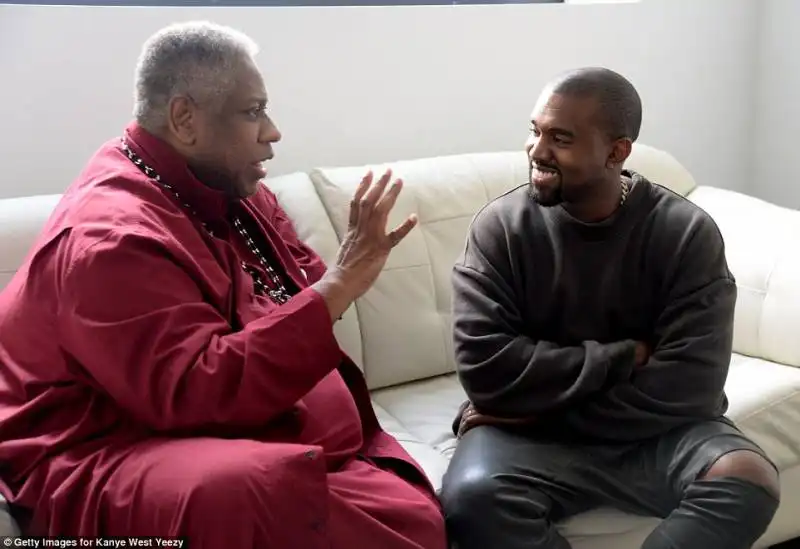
359	85
776	139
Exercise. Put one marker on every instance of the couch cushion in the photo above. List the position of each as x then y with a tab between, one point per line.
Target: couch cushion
662	168
8	526
426	410
299	199
405	317
430	458
765	402
762	249
21	221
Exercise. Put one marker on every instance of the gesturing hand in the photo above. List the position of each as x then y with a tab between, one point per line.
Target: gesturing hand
367	244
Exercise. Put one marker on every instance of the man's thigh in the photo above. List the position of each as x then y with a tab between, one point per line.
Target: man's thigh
517	468
658	472
647	478
211	490
373	508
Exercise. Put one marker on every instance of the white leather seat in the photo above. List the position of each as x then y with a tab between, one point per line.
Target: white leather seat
765	401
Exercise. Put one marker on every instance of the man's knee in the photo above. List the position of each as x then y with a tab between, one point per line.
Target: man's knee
731	505
247	473
225	484
468	494
480	495
748	466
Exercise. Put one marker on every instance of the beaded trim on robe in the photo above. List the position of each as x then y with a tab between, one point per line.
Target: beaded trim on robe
278	292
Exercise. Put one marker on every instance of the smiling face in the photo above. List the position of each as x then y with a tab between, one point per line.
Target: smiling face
226	144
568	152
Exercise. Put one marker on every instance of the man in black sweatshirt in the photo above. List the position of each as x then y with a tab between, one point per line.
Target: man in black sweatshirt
593	326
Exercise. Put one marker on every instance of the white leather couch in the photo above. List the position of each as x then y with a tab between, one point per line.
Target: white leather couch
400	331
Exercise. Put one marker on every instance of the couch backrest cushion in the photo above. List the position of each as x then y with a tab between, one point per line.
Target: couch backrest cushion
661	167
405	318
299	199
763	252
21	221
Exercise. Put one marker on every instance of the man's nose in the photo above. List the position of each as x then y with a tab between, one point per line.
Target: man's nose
270	133
539	151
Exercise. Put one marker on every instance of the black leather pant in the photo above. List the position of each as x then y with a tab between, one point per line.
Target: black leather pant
505	490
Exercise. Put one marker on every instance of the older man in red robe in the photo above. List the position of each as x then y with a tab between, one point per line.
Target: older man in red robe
167	358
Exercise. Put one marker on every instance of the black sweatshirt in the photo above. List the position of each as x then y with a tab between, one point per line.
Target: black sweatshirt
547	309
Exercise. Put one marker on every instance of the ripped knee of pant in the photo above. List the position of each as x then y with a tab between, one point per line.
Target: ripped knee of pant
748	466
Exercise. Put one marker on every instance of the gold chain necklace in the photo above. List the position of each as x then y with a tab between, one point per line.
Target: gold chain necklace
626	188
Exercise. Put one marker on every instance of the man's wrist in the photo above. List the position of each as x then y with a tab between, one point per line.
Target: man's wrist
337	293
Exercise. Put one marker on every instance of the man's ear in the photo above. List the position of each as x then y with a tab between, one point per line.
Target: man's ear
182	120
620	151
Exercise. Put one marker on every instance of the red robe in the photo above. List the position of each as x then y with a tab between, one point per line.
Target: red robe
145	389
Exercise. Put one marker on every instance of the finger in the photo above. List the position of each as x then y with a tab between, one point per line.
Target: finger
398	234
472	422
464	426
376	191
363	186
355	202
389	199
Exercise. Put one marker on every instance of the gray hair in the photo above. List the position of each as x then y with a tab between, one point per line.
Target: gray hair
197	58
